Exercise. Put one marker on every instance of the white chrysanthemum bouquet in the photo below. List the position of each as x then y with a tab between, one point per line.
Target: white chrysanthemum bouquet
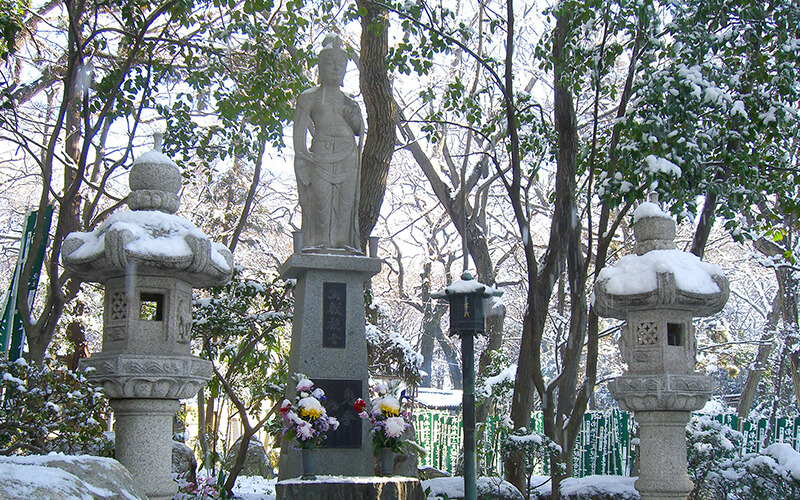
388	420
306	421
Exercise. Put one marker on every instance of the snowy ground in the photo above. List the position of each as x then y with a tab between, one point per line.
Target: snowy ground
254	488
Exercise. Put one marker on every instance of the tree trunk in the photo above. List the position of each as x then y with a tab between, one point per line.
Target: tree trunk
381	114
769	249
704	225
40	333
450	355
542	282
432	313
76	336
202	434
758	365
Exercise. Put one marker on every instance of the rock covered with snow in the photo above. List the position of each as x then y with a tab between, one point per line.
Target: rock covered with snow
488	487
256	462
183	459
65	477
426	472
616	487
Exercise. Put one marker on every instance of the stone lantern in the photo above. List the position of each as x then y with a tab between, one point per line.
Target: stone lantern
657	292
148	260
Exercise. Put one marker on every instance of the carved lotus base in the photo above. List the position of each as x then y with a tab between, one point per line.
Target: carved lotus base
668	392
154	377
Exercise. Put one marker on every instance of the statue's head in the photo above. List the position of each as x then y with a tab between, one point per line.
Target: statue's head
332	61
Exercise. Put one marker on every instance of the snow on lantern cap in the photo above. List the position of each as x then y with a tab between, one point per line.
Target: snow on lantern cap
155	181
467	284
653	228
465	297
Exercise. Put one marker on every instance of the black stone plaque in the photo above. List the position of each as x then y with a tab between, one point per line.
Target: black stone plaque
340	396
334	300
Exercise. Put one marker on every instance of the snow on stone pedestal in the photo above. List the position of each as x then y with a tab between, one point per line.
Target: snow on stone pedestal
148	260
657	292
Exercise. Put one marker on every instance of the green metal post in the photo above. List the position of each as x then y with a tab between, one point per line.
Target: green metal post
468	401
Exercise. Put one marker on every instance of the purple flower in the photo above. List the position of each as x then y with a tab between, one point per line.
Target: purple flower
304	385
304	430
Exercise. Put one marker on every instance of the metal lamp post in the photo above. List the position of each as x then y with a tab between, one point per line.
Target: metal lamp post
467	320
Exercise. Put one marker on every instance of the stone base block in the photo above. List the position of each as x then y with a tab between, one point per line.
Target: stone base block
351	488
329	346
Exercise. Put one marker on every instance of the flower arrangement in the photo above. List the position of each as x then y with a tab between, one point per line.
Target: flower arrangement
306	421
388	421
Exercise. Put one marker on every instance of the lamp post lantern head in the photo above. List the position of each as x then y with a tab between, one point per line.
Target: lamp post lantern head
466	298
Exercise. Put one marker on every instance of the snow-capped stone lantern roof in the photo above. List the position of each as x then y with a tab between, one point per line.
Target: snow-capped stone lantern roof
149	238
659	275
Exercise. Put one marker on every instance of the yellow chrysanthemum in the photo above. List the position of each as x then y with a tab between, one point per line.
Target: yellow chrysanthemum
311	412
310	407
390	409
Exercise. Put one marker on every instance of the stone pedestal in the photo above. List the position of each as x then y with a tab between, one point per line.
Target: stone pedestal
663	461
351	488
329	347
144	443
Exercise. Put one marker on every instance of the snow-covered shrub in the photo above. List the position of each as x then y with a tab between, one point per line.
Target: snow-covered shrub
772	474
537	448
720	472
494	387
497	381
713	452
389	353
43	409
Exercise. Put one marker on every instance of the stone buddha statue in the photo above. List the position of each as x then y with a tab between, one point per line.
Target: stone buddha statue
329	170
